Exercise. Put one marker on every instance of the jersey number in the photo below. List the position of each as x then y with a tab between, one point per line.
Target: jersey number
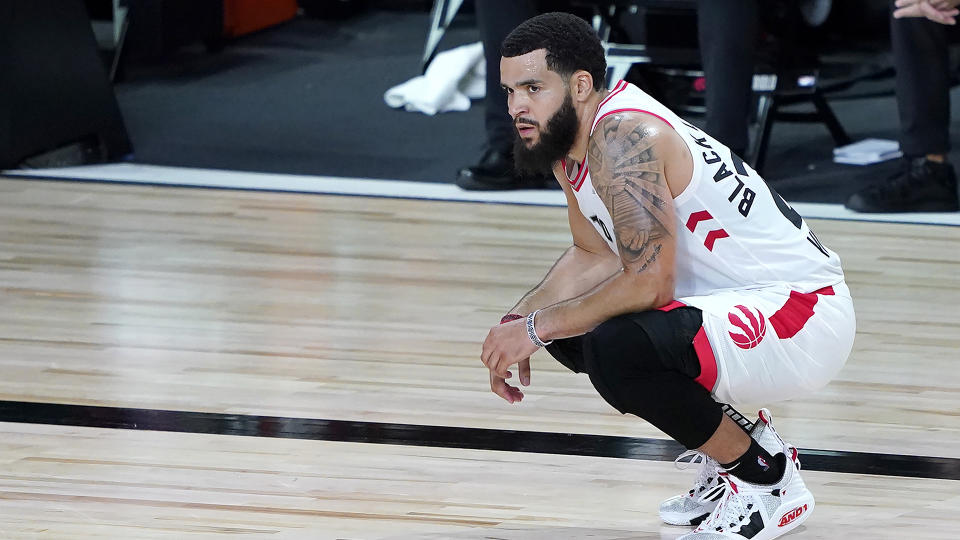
785	209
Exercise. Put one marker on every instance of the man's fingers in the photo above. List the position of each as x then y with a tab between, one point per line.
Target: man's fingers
931	12
504	390
936	15
525	372
487	352
484	353
911	10
938	11
926	10
493	366
499	365
944	5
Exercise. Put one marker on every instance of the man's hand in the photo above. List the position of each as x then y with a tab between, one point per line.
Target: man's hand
508	344
500	387
939	11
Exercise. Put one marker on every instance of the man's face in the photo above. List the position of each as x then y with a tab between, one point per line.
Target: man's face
542	109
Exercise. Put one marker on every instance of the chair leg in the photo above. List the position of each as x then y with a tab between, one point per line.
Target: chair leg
766	111
840	136
442	15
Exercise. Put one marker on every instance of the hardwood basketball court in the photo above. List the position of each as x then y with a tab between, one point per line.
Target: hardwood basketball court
191	363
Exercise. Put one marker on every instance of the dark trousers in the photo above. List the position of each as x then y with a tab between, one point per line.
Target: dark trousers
921	59
728	32
495	19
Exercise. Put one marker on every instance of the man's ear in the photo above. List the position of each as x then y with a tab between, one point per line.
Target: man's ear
582	84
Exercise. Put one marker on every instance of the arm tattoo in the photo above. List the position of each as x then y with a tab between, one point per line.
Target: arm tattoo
628	174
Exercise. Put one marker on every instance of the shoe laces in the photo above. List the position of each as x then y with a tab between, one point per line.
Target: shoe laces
733	509
707	486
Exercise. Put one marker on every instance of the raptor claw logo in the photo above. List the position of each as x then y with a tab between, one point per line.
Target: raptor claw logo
753	329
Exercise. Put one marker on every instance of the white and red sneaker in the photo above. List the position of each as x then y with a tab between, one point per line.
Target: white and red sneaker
693	507
758	512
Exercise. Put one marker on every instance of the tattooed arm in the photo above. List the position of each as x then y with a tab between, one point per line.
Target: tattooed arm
630	155
580	268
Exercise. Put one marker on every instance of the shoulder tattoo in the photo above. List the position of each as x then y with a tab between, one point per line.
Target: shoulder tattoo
628	174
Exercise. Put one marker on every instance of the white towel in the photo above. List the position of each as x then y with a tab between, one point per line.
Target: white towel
451	80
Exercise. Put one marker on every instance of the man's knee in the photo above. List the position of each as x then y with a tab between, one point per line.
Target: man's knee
617	353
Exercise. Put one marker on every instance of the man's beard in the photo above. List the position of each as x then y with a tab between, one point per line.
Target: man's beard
555	141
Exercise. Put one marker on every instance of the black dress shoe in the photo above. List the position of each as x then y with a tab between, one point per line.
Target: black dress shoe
923	186
495	172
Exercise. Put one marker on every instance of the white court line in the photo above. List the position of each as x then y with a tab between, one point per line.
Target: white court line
330	185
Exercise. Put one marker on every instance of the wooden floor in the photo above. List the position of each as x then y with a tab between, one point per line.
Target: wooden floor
373	309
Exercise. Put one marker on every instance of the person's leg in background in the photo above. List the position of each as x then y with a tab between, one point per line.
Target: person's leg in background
495	19
922	65
928	182
728	33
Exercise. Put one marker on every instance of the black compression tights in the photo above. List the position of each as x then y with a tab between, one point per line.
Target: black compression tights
645	364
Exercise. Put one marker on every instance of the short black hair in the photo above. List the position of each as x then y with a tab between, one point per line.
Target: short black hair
571	44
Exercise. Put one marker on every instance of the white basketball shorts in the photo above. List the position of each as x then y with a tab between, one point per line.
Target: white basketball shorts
772	344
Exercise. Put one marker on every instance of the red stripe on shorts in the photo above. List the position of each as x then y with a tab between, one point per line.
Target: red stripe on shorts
708	362
795	313
671	306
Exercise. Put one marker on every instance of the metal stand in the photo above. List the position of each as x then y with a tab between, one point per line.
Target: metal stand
440	18
787	90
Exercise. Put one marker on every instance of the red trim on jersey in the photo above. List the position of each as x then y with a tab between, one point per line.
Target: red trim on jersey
617	88
581	177
708	362
576	181
695	219
795	313
608	113
713	236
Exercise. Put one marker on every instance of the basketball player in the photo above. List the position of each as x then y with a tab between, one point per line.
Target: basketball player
690	282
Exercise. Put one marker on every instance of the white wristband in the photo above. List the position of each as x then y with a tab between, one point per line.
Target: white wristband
532	331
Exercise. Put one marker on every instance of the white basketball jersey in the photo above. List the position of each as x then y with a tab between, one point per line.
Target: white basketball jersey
733	231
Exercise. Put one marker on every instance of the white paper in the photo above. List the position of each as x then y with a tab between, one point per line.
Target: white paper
867	151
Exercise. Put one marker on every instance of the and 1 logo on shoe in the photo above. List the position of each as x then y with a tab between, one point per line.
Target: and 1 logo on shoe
791	515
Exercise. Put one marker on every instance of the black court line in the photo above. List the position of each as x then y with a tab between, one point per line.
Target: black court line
443	437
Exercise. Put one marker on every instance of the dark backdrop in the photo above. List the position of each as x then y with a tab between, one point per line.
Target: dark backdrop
306	97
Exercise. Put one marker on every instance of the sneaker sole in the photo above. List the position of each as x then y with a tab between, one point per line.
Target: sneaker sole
803	506
683	520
